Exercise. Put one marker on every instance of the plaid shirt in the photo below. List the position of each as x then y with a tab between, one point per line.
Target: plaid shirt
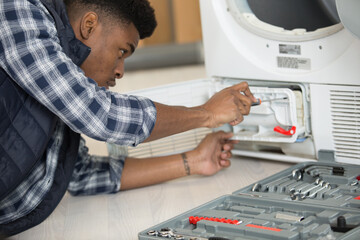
31	54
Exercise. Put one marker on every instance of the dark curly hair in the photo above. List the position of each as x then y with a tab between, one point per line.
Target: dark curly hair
138	12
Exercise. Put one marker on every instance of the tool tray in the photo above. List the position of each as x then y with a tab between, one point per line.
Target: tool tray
311	200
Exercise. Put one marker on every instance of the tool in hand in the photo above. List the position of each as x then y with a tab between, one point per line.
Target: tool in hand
259	101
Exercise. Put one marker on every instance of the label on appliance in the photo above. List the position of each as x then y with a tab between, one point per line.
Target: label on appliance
295	63
290	49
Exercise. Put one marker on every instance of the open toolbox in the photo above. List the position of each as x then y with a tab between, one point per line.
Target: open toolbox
311	200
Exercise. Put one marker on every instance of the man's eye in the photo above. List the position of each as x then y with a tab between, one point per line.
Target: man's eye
123	52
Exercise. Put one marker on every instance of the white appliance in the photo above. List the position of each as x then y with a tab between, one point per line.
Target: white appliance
315	72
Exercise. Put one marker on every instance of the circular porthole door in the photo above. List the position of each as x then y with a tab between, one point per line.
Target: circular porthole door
287	20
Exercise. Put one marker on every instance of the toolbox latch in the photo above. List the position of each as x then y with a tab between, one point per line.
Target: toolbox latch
326	155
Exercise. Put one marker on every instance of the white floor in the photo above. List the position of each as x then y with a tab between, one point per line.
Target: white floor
123	215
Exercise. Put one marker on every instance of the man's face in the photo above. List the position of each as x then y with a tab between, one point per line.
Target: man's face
110	45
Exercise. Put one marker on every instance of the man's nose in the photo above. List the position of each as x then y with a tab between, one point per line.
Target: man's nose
118	75
119	70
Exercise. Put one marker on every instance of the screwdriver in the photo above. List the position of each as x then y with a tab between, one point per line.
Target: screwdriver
259	101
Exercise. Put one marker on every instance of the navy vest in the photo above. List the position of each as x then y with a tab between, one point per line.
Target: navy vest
26	127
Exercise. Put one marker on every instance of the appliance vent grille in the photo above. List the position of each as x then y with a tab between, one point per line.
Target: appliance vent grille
173	144
345	116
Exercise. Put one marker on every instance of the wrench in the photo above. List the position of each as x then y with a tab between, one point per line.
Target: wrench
273	186
295	174
282	187
292	186
310	187
314	193
296	195
302	186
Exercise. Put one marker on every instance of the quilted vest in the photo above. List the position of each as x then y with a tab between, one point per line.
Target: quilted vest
26	127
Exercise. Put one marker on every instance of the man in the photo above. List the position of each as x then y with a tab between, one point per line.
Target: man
56	64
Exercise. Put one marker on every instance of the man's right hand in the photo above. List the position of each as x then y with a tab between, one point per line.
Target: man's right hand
229	105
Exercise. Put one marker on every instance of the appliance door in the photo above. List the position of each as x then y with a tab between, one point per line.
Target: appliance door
278	40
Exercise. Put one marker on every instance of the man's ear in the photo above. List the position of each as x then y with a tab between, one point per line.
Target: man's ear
88	24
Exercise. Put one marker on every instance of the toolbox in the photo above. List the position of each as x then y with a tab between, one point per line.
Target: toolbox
311	200
311	66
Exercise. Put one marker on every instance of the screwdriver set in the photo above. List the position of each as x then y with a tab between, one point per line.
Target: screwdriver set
311	200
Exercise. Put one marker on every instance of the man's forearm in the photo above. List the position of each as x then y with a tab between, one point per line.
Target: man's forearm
148	171
227	106
175	119
209	157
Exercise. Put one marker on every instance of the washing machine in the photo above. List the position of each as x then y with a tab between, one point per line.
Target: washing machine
301	58
307	52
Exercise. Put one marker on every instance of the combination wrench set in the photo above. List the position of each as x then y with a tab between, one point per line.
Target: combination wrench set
307	201
315	181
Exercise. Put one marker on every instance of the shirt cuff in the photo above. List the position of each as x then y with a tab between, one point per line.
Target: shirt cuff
149	119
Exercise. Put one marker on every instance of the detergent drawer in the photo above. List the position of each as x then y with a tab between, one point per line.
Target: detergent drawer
279	118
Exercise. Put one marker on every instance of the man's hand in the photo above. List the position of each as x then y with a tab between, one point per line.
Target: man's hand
229	105
209	157
212	154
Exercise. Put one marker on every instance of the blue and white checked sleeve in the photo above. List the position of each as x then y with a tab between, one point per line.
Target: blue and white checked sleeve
96	174
31	54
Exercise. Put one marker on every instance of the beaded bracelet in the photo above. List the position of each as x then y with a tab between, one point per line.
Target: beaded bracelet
186	164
